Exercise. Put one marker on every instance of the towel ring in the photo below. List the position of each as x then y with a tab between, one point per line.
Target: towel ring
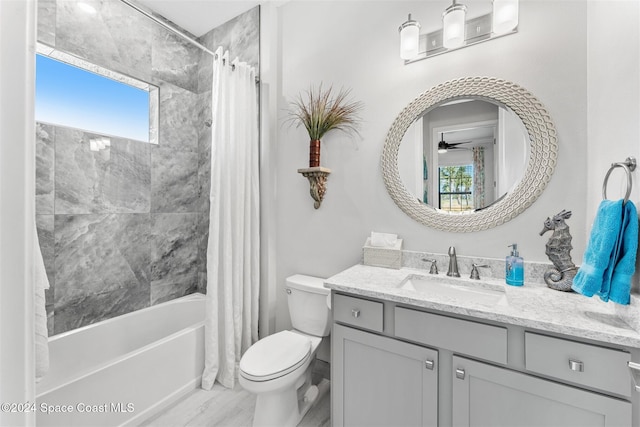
628	165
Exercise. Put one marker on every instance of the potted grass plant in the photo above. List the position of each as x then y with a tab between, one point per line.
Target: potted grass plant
322	110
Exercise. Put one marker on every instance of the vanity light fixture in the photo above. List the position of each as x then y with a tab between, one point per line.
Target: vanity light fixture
409	38
453	25
505	16
457	32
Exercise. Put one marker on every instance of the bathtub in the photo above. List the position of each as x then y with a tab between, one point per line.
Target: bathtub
123	370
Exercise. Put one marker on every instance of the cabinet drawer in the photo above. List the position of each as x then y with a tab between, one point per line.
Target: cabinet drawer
462	336
585	364
358	312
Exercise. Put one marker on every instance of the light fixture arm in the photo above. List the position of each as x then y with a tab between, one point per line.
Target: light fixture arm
407	23
454	6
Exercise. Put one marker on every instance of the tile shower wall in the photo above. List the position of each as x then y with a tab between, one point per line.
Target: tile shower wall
125	227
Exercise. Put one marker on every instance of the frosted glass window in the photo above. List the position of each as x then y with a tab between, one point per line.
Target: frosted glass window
74	93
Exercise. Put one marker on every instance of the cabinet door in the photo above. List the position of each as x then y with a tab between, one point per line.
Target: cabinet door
485	395
378	381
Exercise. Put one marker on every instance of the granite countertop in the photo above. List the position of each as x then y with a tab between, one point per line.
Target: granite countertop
532	305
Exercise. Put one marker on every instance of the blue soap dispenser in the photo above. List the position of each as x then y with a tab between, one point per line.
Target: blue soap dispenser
514	274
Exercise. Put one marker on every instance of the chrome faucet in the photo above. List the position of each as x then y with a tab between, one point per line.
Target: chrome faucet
453	263
474	271
434	265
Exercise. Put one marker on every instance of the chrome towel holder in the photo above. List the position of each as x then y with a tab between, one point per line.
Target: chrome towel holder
629	165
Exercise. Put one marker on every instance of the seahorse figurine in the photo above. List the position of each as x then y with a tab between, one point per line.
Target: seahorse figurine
558	250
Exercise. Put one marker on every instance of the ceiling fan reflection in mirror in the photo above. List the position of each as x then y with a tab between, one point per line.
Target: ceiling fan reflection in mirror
443	146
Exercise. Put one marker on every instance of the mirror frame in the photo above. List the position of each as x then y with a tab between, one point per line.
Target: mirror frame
543	153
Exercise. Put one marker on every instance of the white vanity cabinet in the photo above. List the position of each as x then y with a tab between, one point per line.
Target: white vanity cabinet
398	365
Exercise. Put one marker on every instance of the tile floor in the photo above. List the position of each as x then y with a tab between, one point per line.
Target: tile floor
221	407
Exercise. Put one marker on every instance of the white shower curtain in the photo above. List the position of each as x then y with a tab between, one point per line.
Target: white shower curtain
231	323
41	332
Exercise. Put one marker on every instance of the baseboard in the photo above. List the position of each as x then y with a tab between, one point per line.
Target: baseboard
163	404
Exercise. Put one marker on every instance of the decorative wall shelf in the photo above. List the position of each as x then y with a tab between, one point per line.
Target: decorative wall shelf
317	177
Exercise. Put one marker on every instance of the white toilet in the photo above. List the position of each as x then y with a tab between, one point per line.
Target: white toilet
278	367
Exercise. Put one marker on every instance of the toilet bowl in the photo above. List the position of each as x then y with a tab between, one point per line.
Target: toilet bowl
278	367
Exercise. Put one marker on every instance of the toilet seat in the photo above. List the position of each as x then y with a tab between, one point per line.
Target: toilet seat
275	356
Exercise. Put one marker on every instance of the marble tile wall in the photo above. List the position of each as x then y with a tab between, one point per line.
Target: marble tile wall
174	161
106	249
241	37
120	228
102	267
113	180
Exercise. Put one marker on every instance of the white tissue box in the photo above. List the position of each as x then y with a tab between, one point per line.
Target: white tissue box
390	257
383	240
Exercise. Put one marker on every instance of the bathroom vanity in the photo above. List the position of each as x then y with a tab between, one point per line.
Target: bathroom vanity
413	349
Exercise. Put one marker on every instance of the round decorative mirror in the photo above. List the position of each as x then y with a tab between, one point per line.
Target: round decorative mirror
469	154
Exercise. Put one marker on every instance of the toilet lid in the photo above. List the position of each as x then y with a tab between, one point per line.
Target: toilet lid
275	356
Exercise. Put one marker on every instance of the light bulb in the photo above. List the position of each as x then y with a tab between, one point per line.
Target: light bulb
453	24
505	16
409	38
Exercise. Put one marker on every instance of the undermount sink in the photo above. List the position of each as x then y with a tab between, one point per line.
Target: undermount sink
479	292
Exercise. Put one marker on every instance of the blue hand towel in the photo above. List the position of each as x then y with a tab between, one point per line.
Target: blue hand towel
596	262
620	288
605	289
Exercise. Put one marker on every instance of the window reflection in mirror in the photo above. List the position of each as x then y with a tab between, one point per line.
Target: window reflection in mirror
455	188
464	155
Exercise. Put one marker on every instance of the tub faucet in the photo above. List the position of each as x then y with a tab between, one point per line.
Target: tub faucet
453	263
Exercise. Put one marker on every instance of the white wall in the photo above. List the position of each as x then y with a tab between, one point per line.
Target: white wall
512	158
17	207
613	87
410	159
355	44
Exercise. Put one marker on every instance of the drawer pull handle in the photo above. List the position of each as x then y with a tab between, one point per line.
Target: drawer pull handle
355	313
576	365
460	374
429	364
635	374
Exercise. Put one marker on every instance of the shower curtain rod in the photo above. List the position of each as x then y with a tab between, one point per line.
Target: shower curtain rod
172	29
167	26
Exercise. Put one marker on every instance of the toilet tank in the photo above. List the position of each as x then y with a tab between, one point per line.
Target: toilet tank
307	299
